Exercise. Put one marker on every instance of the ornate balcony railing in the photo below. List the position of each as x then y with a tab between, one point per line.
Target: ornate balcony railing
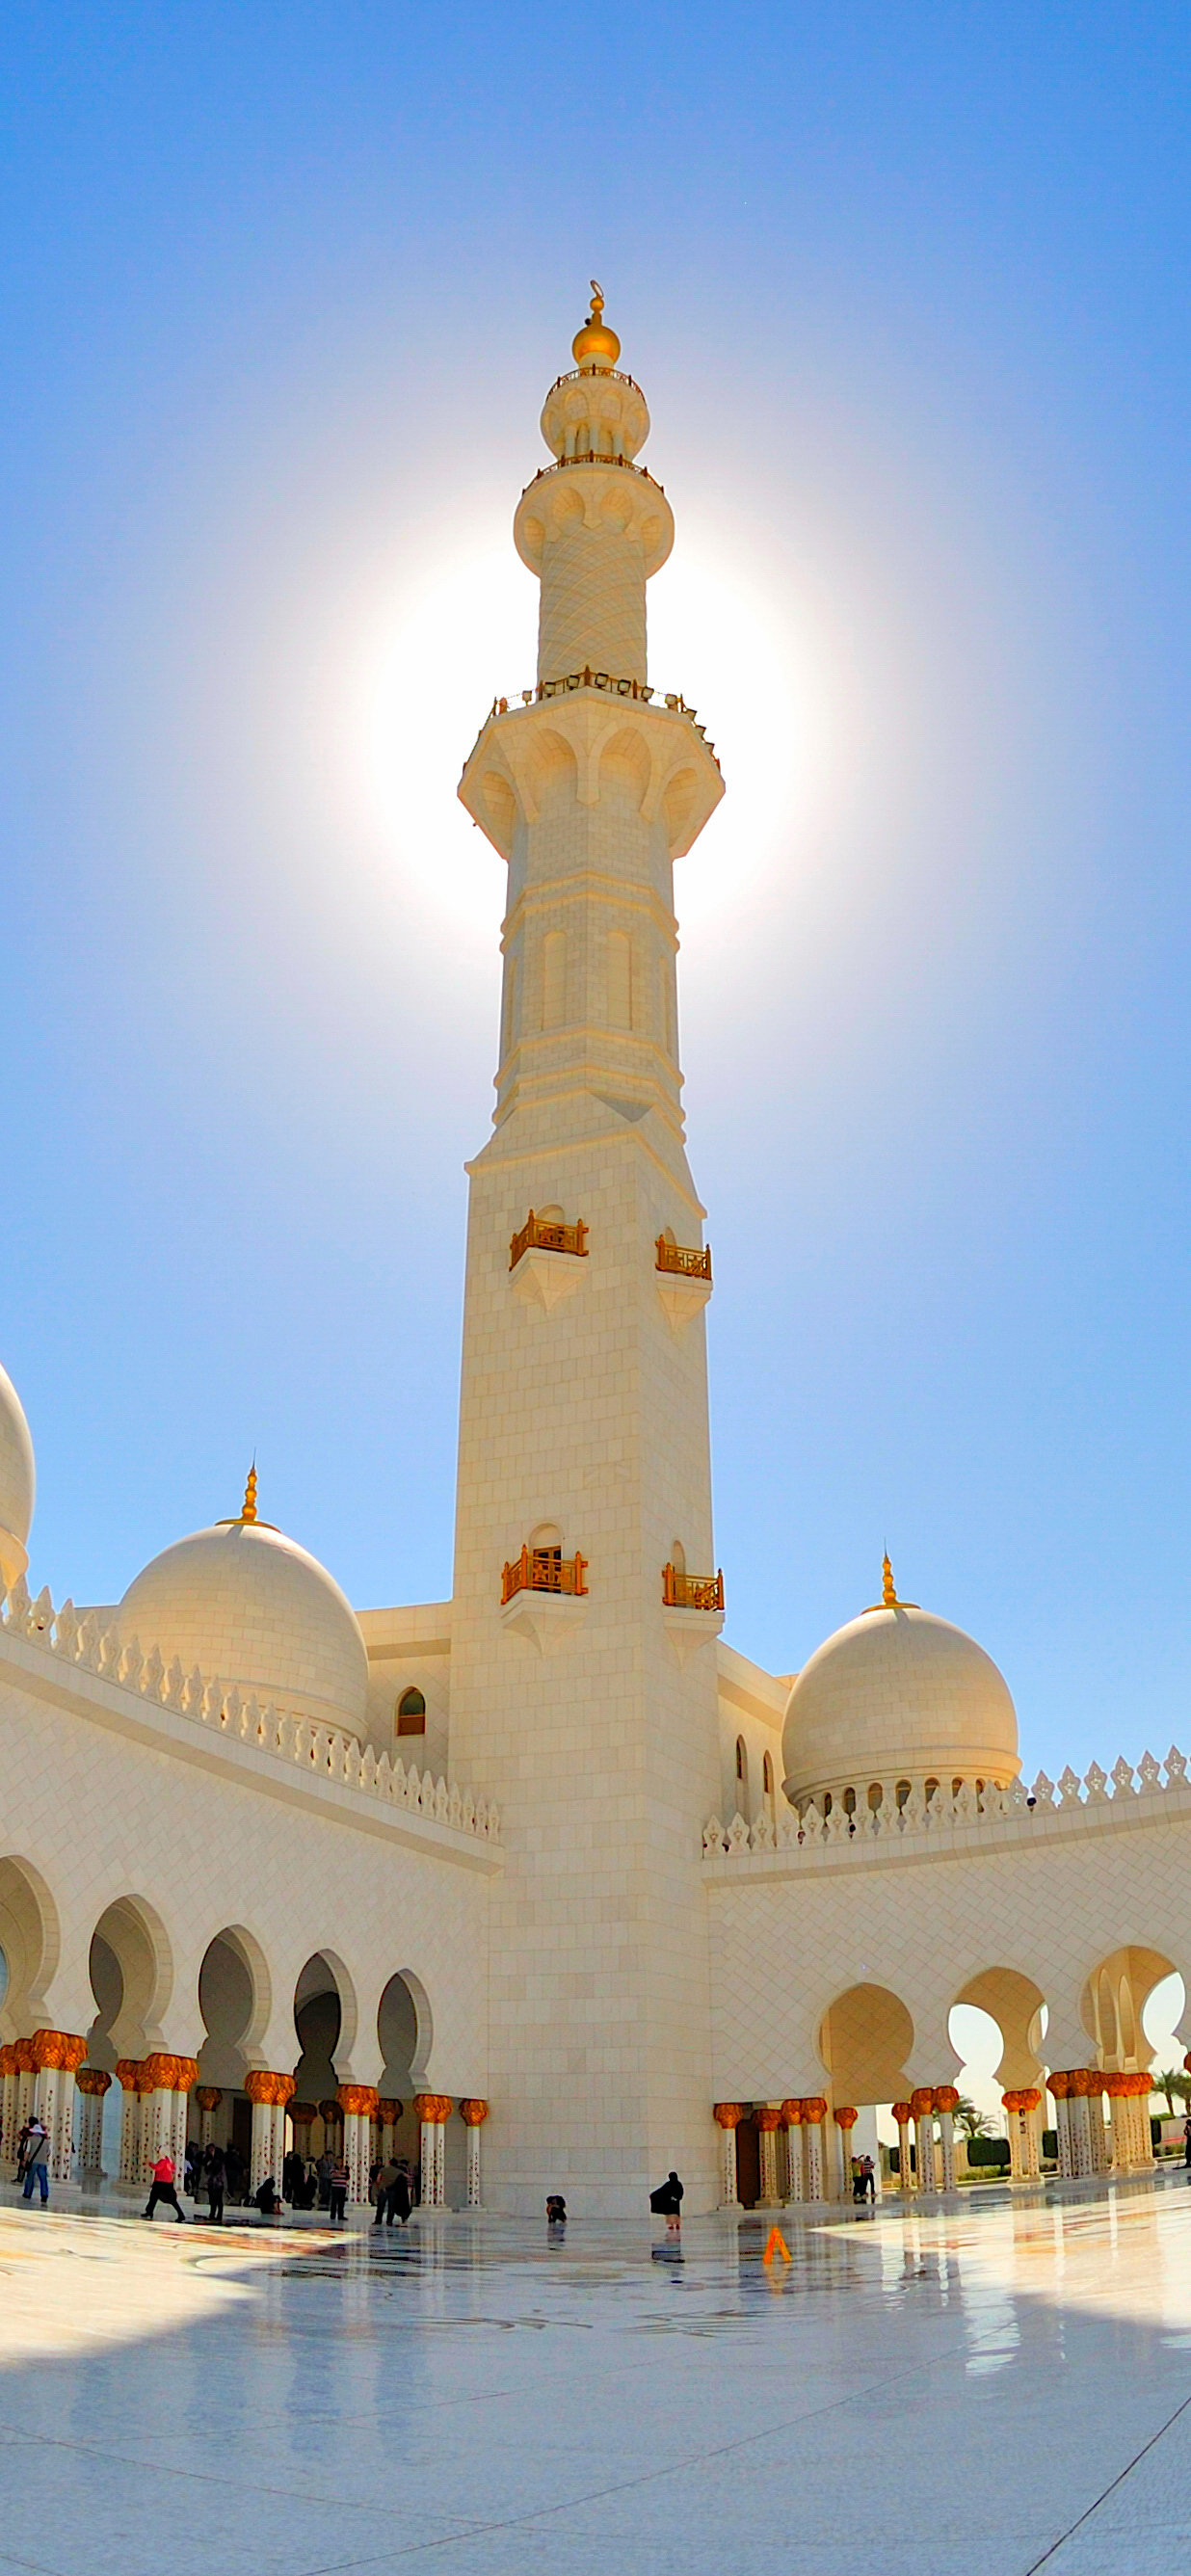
672	699
691	1591
579	376
594	456
544	1569
687	1261
540	1235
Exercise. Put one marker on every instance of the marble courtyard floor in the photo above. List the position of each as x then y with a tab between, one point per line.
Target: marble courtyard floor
1003	2383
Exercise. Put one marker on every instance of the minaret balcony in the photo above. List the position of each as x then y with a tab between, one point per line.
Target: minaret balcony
514	751
692	1609
544	1260
683	1277
681	1591
543	1596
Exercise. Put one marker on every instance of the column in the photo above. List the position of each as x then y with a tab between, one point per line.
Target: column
26	2077
208	2098
728	2116
795	2177
1022	2133
769	2121
56	2055
1097	2132
814	2113
845	2121
303	2116
92	2084
473	2114
358	2105
946	2098
388	2113
268	2093
166	2082
433	2110
129	2071
922	2108
8	2105
905	2170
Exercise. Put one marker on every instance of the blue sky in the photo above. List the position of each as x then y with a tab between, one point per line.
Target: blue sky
907	289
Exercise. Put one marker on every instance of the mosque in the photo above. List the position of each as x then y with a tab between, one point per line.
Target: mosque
547	1886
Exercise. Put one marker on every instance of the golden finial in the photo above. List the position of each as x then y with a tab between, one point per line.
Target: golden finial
249	1511
889	1599
596	345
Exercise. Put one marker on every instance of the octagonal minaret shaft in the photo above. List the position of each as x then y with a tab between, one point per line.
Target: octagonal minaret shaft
589	1711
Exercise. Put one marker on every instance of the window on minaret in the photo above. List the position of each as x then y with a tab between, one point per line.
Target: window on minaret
769	1782
411	1713
742	1776
620	980
510	1009
666	1005
554	979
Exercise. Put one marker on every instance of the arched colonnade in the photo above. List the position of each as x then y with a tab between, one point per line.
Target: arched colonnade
226	2092
799	2148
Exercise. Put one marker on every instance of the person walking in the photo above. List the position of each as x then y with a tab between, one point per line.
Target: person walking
1187	2145
340	2179
216	2185
37	2161
400	2196
666	2201
383	2184
163	2189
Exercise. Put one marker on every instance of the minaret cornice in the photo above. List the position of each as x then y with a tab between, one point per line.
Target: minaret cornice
514	749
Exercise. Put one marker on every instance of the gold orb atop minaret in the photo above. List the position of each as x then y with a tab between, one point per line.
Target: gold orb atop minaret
596	345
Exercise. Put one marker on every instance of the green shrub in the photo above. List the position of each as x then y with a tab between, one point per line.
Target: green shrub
989	2151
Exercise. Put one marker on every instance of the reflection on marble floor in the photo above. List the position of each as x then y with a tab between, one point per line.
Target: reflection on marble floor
1003	2379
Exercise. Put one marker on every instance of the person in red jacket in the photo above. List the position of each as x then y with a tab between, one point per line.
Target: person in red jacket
163	2189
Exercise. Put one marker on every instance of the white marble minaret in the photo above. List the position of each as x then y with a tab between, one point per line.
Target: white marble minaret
585	1701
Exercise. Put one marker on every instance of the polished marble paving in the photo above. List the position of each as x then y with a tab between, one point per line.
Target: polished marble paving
1006	2383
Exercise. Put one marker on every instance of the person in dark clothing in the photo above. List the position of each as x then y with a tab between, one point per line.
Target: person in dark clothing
234	2170
266	2199
666	2201
556	2209
163	2189
400	2197
216	2184
34	2163
340	2179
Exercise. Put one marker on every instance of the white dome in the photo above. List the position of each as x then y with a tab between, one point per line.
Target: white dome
18	1484
250	1606
897	1694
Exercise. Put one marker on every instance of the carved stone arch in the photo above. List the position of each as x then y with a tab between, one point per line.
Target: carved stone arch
1128	1976
31	1939
130	1939
237	2017
678	806
1015	2003
424	2018
624	753
500	805
865	2040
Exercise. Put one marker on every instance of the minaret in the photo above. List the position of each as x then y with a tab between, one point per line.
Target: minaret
583	1676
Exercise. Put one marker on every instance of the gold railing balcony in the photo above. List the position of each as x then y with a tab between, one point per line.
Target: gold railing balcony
687	1261
544	1569
539	1235
691	1591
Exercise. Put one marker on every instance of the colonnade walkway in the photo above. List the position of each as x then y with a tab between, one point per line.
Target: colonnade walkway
907	2390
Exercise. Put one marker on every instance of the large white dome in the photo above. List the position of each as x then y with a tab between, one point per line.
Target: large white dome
18	1485
897	1694
249	1606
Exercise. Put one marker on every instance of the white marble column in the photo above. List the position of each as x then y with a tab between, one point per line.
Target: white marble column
905	2167
9	2124
814	2113
922	2104
358	2105
433	2111
473	2112
946	2121
132	2164
91	2085
268	2092
795	2176
728	2117
845	2122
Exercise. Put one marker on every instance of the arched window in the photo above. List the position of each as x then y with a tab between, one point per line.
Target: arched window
742	1776
554	979
678	1556
411	1713
768	1780
620	980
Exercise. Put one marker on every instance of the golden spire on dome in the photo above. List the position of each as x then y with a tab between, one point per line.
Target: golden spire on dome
249	1511
889	1599
596	345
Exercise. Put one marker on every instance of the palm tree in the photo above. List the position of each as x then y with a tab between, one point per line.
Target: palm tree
974	2123
1171	2081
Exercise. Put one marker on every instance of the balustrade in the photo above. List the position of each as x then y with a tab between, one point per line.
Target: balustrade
544	1569
691	1591
542	1234
686	1261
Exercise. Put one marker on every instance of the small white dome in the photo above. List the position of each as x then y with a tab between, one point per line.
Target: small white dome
897	1694
18	1484
249	1606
